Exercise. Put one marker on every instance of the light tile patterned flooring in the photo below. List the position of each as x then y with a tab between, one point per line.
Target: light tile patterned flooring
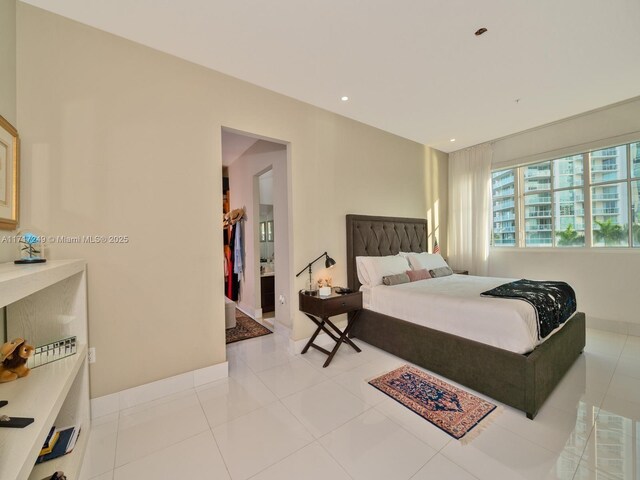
282	416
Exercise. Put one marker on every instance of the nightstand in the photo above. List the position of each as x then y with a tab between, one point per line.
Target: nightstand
461	272
319	309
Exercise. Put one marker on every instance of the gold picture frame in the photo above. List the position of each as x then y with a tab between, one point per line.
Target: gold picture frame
9	175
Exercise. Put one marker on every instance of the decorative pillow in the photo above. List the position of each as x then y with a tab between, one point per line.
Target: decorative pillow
374	268
430	261
440	272
415	275
396	279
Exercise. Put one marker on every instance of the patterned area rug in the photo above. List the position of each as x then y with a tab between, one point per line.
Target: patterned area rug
449	408
245	328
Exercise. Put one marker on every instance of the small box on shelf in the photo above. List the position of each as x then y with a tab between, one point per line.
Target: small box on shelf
53	351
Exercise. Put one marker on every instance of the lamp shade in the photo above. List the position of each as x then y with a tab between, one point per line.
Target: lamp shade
329	262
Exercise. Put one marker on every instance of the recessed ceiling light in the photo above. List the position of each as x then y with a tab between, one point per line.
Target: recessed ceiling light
344	98
452	139
480	31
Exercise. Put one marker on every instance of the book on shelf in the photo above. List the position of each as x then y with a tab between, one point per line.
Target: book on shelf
60	441
73	440
51	440
47	441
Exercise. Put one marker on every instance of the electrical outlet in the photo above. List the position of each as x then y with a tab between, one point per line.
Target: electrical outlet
92	355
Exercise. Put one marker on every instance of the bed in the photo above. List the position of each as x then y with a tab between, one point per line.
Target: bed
523	381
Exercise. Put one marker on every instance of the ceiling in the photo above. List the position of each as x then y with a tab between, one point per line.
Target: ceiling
413	68
234	145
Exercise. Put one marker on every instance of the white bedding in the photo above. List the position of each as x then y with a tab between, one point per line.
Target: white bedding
453	304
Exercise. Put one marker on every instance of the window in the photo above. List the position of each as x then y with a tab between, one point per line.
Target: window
537	210
544	204
504	212
570	225
609	215
635	212
635	159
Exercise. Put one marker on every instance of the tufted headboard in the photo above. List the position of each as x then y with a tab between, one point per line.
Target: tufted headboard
379	236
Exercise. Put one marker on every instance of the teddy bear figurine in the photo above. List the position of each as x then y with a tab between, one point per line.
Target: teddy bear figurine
13	356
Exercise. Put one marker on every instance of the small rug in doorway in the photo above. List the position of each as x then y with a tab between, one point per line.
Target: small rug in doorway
245	328
449	408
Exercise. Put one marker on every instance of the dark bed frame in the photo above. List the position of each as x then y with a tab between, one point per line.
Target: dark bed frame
521	381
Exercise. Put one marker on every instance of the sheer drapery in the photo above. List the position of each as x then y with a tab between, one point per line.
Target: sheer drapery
470	209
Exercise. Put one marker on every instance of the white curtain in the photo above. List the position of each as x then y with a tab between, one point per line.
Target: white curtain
470	209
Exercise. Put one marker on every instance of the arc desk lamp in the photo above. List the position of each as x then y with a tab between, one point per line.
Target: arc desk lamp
328	263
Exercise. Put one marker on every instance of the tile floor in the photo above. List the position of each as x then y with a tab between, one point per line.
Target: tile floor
282	416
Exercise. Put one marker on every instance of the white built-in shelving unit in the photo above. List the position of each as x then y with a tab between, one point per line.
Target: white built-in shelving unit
44	303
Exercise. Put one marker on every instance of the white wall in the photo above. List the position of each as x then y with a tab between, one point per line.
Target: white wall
606	281
244	192
124	140
266	188
604	127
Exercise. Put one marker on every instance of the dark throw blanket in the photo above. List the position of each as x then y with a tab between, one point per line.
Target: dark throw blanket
554	302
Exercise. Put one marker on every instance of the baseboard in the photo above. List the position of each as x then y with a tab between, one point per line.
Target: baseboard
131	397
249	312
615	326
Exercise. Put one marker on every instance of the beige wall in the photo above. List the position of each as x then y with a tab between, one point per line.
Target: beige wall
244	192
605	280
8	251
8	60
436	176
123	140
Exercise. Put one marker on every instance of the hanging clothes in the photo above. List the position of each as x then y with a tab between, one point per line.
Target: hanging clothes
233	252
225	243
234	284
228	266
238	252
228	271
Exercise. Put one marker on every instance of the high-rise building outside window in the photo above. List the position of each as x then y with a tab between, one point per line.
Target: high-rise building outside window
503	191
544	204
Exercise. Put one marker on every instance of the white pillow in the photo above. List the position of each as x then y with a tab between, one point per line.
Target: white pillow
361	269
372	269
430	261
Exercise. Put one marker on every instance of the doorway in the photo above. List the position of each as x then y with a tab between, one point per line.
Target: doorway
257	172
266	228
